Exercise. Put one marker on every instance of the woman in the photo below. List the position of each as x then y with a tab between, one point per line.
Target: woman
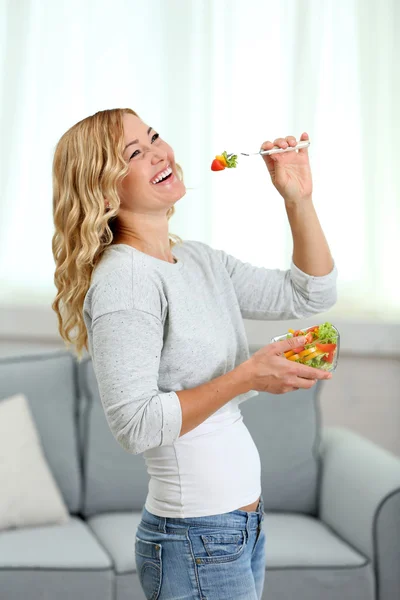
163	322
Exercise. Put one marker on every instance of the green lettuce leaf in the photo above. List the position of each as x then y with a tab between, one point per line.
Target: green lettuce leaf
231	159
327	334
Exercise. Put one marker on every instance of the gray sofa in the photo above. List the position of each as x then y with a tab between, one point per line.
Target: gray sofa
332	499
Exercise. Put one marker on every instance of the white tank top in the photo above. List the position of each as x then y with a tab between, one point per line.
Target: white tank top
212	469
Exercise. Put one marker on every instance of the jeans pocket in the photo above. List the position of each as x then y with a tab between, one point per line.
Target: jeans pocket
220	547
149	567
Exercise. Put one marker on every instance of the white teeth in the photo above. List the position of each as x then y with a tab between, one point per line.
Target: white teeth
162	175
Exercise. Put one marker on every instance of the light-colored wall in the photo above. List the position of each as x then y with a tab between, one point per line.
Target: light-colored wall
363	394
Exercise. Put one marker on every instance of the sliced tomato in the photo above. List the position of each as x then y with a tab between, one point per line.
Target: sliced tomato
298	332
313	328
326	347
329	357
309	338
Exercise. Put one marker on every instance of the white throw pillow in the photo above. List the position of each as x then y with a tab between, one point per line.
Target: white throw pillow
29	494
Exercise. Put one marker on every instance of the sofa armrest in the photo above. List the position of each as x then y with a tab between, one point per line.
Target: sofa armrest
360	500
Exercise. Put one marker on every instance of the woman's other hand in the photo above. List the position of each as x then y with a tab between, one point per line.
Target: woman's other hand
290	171
271	372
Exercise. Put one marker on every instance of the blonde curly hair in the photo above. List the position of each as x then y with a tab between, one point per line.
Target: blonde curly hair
88	166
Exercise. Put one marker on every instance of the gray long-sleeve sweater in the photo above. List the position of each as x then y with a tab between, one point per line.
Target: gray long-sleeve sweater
155	328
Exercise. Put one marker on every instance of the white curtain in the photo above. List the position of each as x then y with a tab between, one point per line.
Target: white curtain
213	76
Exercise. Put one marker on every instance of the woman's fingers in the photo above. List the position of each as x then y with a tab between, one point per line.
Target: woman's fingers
303	137
281	143
306	372
291	140
304	384
267	145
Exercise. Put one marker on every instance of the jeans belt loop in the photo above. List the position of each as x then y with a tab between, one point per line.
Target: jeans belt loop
162	524
248	525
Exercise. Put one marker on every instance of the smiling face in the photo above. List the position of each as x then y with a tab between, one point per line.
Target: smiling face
152	182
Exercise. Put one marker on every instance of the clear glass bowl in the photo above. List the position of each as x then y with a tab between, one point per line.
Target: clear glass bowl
325	365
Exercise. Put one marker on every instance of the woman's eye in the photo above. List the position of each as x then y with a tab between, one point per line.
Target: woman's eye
134	154
153	139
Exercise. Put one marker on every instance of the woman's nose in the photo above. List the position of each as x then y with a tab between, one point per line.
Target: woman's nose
157	155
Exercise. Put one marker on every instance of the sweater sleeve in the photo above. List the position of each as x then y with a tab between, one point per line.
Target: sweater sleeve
125	344
126	349
274	294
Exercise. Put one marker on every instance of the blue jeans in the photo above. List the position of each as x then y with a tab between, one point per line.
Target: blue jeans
221	557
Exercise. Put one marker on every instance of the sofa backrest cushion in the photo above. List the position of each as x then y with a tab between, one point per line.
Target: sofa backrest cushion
49	383
115	480
285	428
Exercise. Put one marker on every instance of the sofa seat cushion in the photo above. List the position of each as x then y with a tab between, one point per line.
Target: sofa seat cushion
307	561
304	558
69	546
293	541
301	541
116	533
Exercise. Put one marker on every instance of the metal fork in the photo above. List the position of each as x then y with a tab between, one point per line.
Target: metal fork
277	150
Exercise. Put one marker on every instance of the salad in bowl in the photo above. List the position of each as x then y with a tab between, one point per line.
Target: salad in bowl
321	349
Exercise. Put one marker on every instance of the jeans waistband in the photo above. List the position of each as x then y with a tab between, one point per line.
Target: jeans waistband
237	519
